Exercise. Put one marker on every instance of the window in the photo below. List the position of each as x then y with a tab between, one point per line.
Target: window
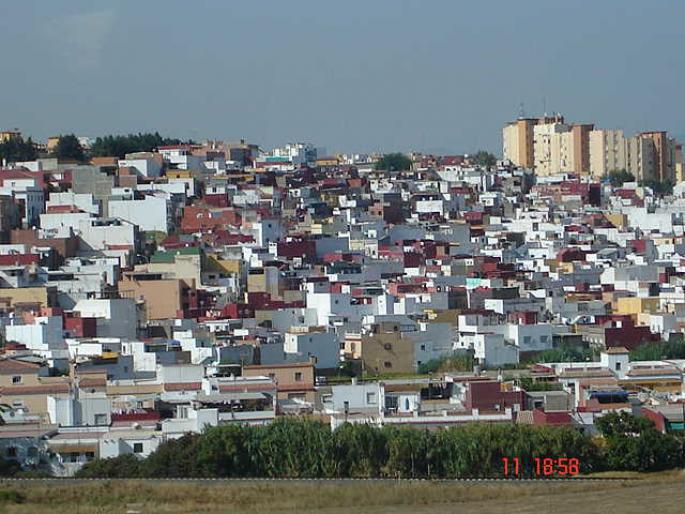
371	398
272	376
387	346
11	452
16	379
618	366
423	347
101	419
137	447
298	377
387	364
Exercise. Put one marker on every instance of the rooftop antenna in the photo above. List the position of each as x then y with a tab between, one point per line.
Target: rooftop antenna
522	111
544	105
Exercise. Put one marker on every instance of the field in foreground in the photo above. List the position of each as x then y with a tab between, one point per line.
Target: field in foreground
664	493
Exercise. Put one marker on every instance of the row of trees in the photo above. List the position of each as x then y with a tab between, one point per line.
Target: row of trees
660	187
564	353
69	148
301	448
120	145
400	162
659	350
16	149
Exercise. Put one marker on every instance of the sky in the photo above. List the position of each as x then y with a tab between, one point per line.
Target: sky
353	75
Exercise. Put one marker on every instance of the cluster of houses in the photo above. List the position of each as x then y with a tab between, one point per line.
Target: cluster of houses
199	285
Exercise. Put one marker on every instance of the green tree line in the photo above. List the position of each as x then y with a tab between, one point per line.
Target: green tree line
120	145
659	350
16	149
302	448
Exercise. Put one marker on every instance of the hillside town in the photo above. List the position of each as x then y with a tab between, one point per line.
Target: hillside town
151	291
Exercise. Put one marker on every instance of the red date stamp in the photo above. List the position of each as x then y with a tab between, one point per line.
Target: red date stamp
541	467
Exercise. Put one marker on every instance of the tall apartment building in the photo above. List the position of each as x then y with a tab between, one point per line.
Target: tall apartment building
552	146
548	145
517	139
559	147
640	158
607	152
678	161
580	141
663	149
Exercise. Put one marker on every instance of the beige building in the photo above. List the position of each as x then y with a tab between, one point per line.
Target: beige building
552	147
293	381
678	155
23	385
607	150
640	158
517	140
164	298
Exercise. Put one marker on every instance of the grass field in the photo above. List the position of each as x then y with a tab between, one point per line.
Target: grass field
664	493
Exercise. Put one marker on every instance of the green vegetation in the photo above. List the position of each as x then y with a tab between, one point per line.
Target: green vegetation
660	187
16	149
394	162
120	145
663	493
618	177
483	158
634	444
659	351
8	468
301	448
456	362
528	384
564	353
69	148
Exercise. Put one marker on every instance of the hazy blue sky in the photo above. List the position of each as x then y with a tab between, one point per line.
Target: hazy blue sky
347	75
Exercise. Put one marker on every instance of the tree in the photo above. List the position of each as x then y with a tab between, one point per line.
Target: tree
224	452
359	451
120	145
659	351
394	162
15	149
174	459
634	444
660	187
484	159
564	353
618	177
124	466
69	148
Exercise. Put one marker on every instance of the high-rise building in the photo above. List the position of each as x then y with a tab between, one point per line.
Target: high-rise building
678	161
552	146
517	139
580	141
607	152
640	158
662	148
